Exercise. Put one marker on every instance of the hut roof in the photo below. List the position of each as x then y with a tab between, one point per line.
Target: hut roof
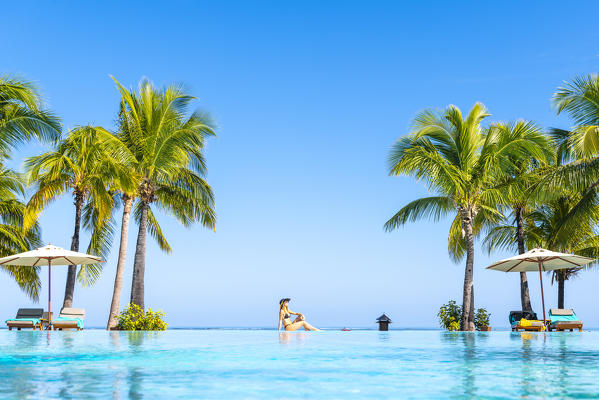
383	318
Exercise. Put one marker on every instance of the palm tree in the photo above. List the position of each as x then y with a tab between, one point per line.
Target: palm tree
81	165
520	182
127	186
168	146
567	225
22	118
580	99
460	161
13	239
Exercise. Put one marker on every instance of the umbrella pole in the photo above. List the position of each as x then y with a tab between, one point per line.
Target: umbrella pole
542	294
49	298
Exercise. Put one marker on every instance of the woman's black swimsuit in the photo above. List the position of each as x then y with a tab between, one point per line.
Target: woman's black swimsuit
285	317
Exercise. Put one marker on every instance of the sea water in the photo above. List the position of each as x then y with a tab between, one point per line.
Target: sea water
262	364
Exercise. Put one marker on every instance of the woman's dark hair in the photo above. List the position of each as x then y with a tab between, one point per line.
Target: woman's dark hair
282	301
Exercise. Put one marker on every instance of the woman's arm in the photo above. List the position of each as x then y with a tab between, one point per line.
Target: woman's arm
280	319
293	312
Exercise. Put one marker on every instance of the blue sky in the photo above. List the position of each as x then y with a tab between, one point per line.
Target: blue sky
308	98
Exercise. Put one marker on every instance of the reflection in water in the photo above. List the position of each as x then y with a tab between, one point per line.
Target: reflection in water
115	341
384	336
527	381
285	337
134	380
68	380
466	358
561	354
136	340
135	375
19	380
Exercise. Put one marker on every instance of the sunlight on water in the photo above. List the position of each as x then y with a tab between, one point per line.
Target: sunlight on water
266	364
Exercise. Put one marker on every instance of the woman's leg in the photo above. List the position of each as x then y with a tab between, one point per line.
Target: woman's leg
294	326
309	327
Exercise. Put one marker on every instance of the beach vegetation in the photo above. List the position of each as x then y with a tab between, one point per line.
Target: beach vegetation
23	117
461	162
166	142
450	315
520	183
79	164
134	318
481	319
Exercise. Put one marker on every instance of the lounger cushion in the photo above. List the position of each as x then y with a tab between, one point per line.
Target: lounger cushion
30	313
561	311
565	323
70	317
562	315
64	322
72	312
23	322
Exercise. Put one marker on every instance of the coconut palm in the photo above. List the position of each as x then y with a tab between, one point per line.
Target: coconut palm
167	144
567	224
520	181
13	239
460	162
580	100
81	165
126	186
22	118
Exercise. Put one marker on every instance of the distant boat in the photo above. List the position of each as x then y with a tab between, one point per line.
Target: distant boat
346	329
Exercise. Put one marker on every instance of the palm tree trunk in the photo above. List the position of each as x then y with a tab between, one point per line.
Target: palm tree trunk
72	271
524	293
560	289
120	266
467	322
139	263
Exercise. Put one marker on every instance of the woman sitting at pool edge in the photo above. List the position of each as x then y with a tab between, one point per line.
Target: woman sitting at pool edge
285	318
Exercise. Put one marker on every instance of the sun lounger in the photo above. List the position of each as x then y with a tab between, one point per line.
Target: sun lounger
26	318
564	319
533	324
70	318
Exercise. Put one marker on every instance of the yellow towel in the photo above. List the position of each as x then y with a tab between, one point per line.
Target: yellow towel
528	322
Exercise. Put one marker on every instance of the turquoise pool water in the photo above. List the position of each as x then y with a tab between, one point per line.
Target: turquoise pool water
234	364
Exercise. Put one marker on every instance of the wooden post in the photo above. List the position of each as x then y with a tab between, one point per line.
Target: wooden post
49	297
542	294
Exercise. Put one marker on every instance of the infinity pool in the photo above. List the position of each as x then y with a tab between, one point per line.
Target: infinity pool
257	364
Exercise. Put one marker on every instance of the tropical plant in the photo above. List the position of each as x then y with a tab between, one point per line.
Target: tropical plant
126	186
461	163
481	319
79	164
522	194
450	315
167	145
134	318
22	118
580	100
568	225
13	239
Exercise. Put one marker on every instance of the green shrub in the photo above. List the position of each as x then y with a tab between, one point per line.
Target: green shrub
481	318
449	316
135	319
